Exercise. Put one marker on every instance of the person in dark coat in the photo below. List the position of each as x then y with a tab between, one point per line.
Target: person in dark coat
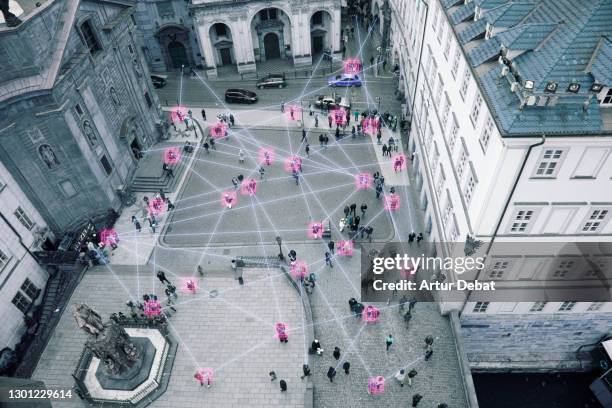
336	353
346	367
283	385
331	373
162	277
331	245
416	398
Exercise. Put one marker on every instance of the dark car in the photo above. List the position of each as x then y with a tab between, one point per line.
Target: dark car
327	102
240	96
272	81
158	82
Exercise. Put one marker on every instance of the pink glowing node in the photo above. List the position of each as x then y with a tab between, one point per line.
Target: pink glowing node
345	248
229	199
152	308
363	181
172	155
315	230
108	236
370	314
293	163
178	114
293	112
280	331
189	285
248	187
392	202
376	385
156	206
204	376
338	116
266	156
218	130
399	162
299	269
370	125
352	66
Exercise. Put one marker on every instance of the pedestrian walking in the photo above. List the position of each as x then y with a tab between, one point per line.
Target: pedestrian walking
212	144
328	260
168	170
331	373
411	237
169	204
331	245
411	305
162	277
317	120
315	347
353	132
429	341
356	114
352	303
296	177
400	376
283	385
428	353
379	190
353	209
152	224
347	210
363	209
235	182
282	106
336	353
303	135
369	229
411	374
206	146
310	110
240	156
372	60
305	371
346	367
389	341
307	149
262	171
356	221
203	114
416	398
419	237
136	223
337	132
231	119
384	150
325	140
272	375
329	121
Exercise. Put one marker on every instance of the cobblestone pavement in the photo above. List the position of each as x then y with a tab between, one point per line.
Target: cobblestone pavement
233	333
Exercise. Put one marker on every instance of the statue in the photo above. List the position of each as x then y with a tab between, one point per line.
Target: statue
87	319
89	133
109	342
48	156
471	245
114	97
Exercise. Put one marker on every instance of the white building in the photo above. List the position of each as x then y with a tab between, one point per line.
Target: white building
484	81
22	279
244	33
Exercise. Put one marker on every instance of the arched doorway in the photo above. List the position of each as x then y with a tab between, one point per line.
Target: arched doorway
271	46
178	54
321	31
223	44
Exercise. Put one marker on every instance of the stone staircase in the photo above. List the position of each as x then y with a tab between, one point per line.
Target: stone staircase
150	177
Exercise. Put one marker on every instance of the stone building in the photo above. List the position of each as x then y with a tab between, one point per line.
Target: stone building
242	34
76	107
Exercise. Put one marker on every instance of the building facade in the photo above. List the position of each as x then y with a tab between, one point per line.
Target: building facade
511	136
77	107
22	280
242	34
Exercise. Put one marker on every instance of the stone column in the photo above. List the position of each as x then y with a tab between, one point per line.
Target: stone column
336	29
244	43
300	34
206	46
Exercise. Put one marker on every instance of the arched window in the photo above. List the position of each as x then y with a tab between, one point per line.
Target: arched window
317	18
90	38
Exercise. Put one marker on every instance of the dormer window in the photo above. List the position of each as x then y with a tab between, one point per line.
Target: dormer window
488	31
477	13
90	38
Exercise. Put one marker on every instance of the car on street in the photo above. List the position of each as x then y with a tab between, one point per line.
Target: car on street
240	96
158	81
327	102
271	81
344	80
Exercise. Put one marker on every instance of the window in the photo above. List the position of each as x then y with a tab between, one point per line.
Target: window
438	97
567	306
486	133
22	302
90	38
498	269
317	18
480	307
440	30
563	268
445	111
608	98
130	49
78	108
432	73
221	30
448	210
267	14
595	306
30	289
440	183
434	23
447	45
23	218
106	164
452	138
456	60
595	221
521	221
436	157
466	82
455	231
537	306
548	165
68	188
468	192
148	99
429	59
476	109
461	164
4	260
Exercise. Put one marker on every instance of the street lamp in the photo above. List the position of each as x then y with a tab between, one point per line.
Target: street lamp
378	100
279	241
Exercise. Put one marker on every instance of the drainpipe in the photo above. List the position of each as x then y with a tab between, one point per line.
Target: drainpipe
416	82
503	214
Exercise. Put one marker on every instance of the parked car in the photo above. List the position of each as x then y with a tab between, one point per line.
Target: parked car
158	81
344	80
240	96
272	81
327	102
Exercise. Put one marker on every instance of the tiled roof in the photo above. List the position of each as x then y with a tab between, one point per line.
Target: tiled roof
601	64
463	13
450	3
557	41
473	31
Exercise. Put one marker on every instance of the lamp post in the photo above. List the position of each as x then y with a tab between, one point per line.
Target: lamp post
378	98
279	241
